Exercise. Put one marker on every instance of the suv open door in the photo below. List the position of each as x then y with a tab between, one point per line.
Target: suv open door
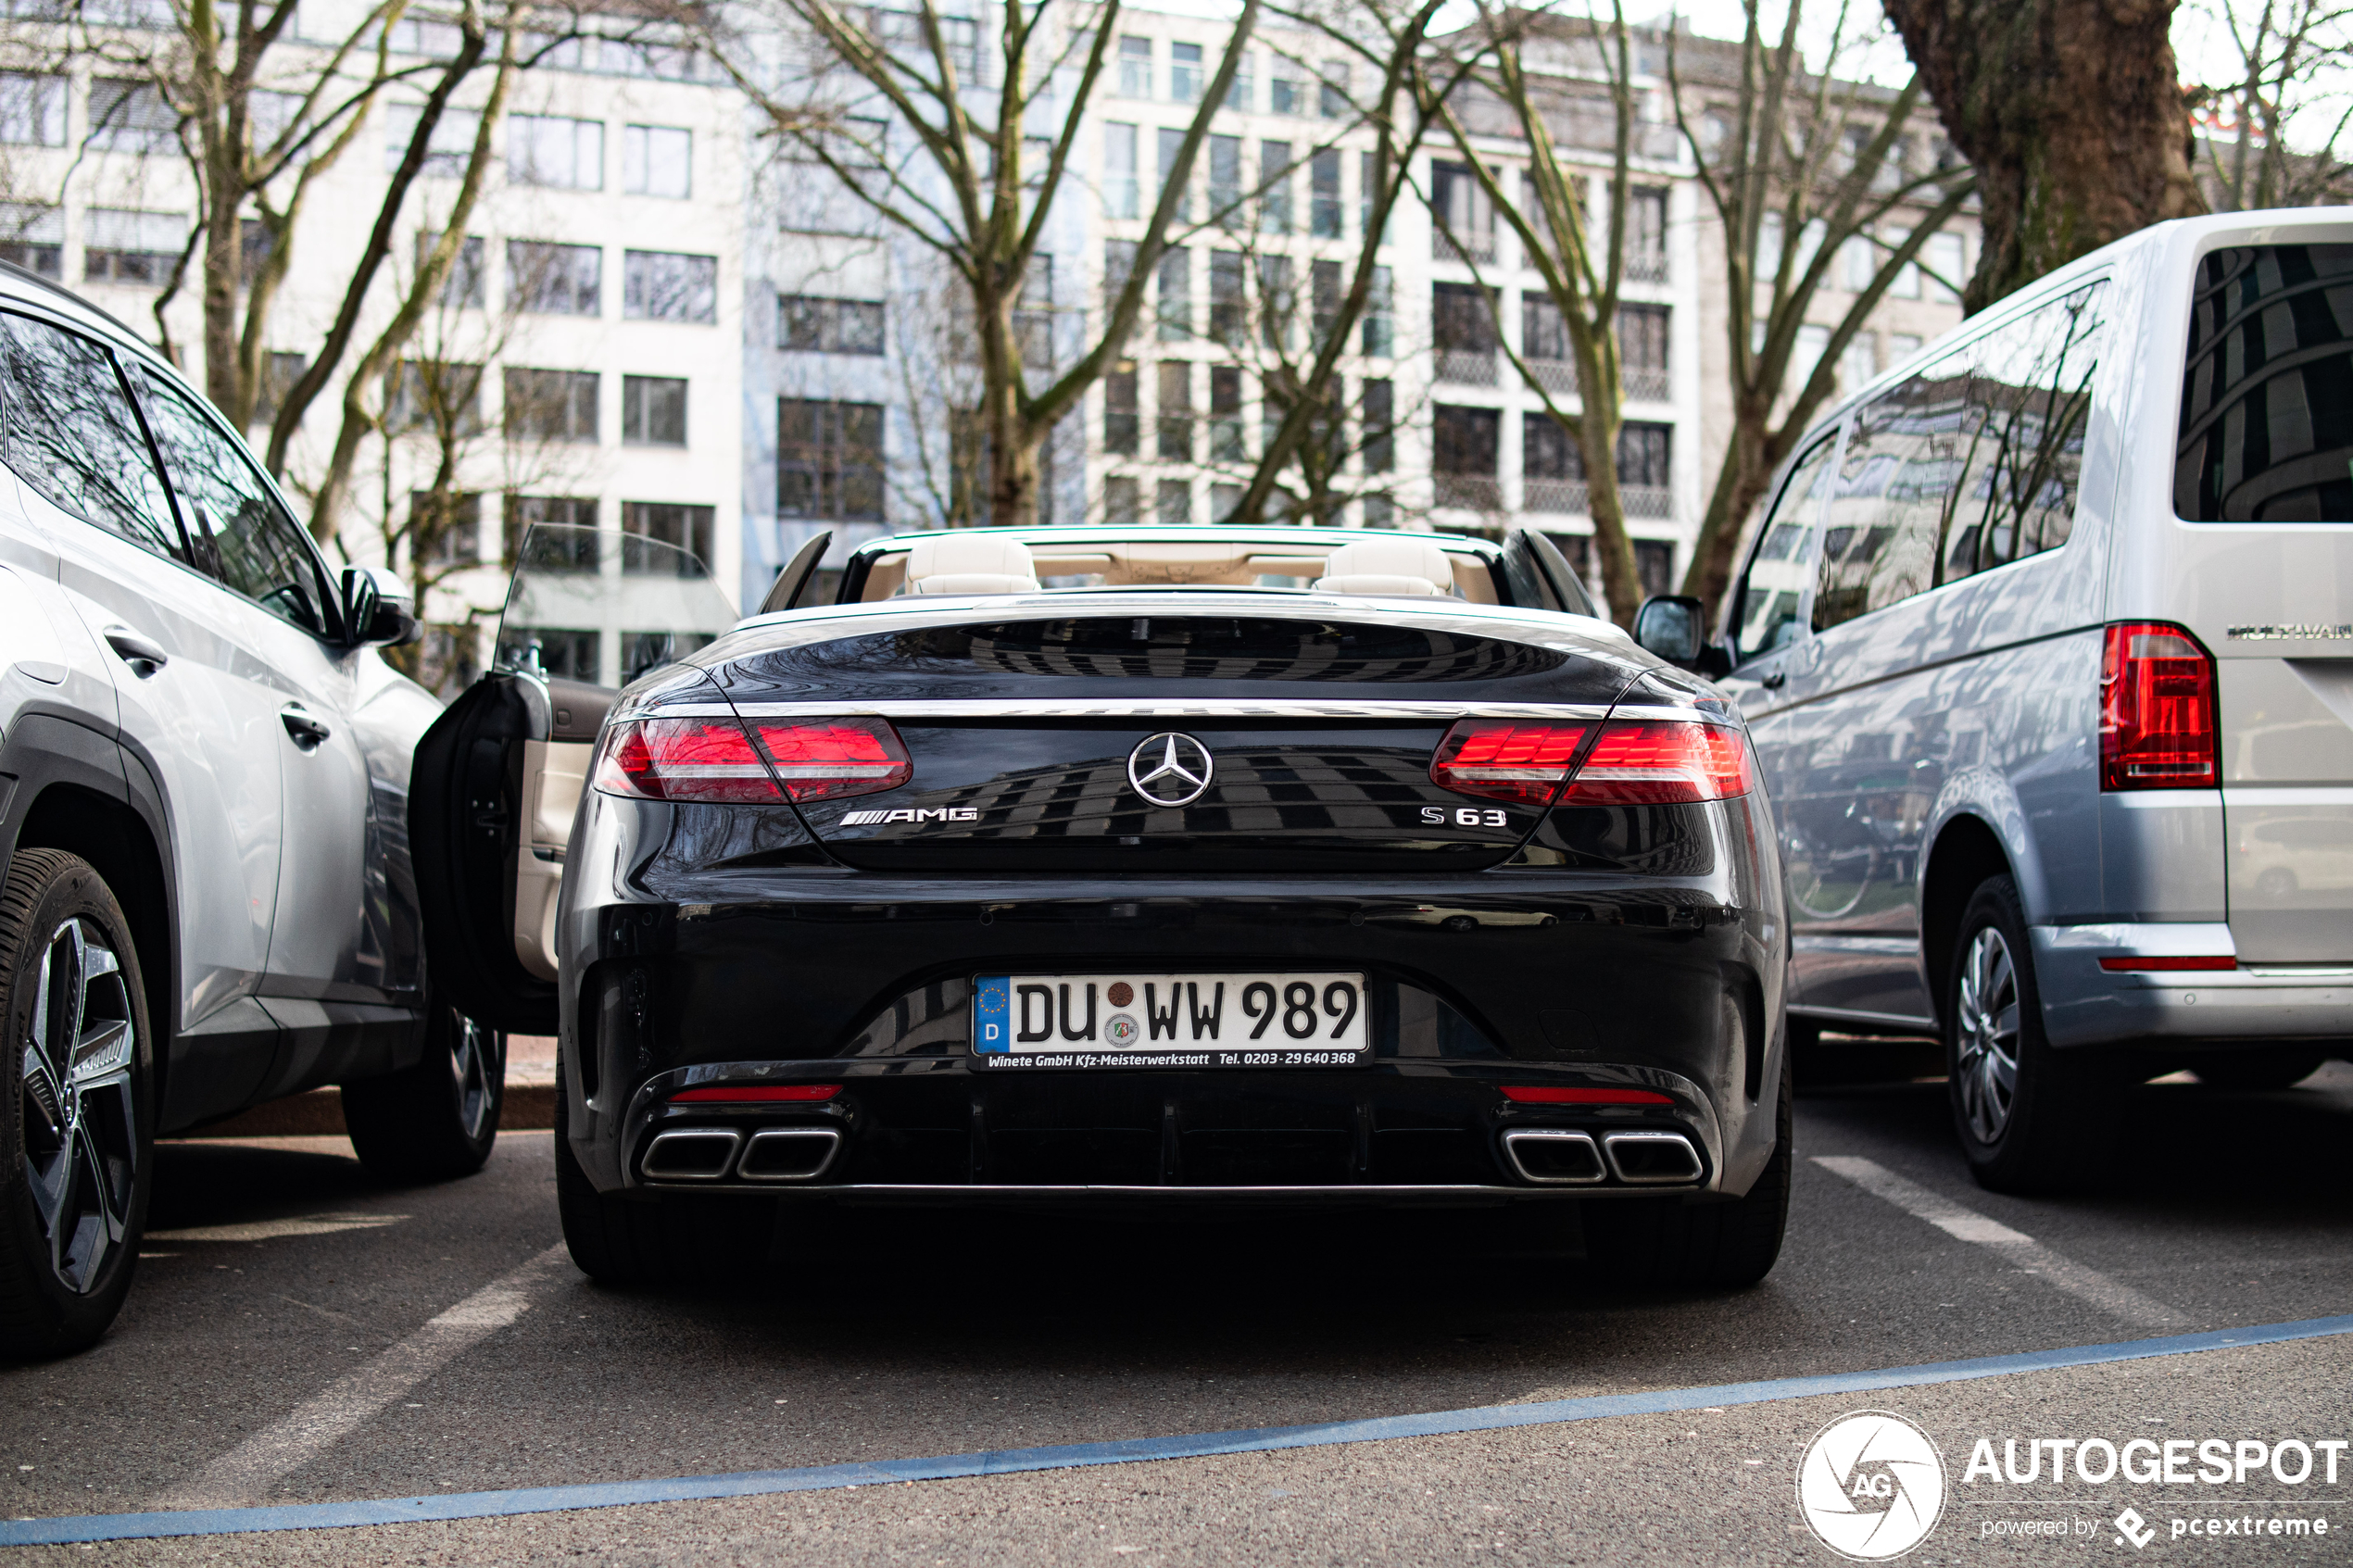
498	777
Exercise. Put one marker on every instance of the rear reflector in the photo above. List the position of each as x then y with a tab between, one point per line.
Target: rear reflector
827	759
751	1094
2158	727
683	759
1530	1095
1665	763
1505	760
2132	964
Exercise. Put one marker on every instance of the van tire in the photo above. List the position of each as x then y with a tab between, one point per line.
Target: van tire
436	1120
88	1138
2030	1119
1720	1246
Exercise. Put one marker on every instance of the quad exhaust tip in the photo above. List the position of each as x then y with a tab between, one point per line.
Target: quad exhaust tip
1554	1156
788	1154
1563	1157
1651	1159
691	1154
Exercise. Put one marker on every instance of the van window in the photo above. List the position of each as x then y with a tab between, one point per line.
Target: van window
1781	562
1969	465
2267	397
73	436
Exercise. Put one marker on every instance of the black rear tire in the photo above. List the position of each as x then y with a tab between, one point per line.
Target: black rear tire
77	1109
2260	1069
1717	1246
437	1120
2030	1119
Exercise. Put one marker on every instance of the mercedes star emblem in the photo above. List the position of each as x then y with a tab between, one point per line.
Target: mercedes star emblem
1170	769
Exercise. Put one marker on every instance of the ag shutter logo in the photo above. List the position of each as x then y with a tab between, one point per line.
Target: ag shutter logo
1872	1486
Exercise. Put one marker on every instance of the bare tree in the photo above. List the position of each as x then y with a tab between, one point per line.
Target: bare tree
1797	167
2290	55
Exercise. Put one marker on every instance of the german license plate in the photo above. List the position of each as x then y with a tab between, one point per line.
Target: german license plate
1301	1019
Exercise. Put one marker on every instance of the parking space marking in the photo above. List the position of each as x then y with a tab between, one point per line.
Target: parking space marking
1072	1456
271	1230
245	1472
2022	1250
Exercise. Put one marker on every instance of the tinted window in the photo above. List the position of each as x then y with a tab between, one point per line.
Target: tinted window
1969	465
238	529
73	436
2267	398
1782	558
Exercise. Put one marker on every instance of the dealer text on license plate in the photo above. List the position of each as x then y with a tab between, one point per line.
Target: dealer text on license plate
1222	1020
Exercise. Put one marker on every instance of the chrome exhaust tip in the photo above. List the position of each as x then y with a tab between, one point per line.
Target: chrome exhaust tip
788	1154
690	1154
1554	1156
1651	1159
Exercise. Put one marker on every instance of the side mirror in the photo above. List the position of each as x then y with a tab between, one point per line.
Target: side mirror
378	609
1669	625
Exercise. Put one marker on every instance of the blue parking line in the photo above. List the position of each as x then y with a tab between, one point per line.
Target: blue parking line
1007	1461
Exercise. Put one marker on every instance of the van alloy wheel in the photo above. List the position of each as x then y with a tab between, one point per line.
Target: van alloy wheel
82	1147
1986	1074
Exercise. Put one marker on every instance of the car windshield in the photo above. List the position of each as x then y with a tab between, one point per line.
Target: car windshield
604	608
993	561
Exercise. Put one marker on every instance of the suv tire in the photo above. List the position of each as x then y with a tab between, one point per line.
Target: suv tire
77	1127
438	1119
1718	1245
2030	1119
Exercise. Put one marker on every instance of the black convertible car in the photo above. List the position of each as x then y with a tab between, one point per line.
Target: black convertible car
1101	865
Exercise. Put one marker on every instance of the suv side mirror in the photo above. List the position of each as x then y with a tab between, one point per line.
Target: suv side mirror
1669	625
378	609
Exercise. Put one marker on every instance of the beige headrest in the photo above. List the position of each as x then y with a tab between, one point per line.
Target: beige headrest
970	564
1401	568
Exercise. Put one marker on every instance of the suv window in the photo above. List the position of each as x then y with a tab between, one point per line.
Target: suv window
1779	565
1969	465
238	529
2267	395
73	436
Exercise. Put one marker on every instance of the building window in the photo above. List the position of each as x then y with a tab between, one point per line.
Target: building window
1274	177
1467	218
463	287
555	280
1646	236
562	653
1642	352
1222	499
1174	505
1380	427
437	398
131	116
1225	414
1285	93
1176	416
558	552
1645	453
1121	198
1381	316
1276	301
448	151
1332	95
829	460
660	285
1122	503
279	373
1227	309
445	530
33	109
558	406
812	324
657	160
1324	299
1177	296
1184	72
1947	258
33	236
1463	446
1226	182
688	529
1462	329
653	411
1172	147
1135	67
1122	426
122	247
1242	92
1324	211
549	150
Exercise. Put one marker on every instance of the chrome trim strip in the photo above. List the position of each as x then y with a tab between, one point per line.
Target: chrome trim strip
896	707
994	1191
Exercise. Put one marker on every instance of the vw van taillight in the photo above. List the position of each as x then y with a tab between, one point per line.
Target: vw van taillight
2158	724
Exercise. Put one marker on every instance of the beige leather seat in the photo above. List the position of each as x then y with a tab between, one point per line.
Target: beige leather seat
968	563
1398	568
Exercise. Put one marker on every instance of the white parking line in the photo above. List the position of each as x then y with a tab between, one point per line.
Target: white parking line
2022	1250
271	1230
243	1474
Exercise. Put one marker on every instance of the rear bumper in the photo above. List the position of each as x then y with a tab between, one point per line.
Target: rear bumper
2085	1005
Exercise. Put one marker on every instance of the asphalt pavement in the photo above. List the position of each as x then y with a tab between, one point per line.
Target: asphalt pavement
301	1335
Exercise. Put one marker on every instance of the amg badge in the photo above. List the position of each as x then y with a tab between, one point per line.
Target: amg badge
938	814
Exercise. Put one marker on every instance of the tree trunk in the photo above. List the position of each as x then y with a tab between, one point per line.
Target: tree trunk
1749	461
2071	113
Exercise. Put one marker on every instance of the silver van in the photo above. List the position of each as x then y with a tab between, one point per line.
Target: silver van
2045	639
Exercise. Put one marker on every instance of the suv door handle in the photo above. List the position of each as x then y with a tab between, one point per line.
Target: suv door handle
1775	681
143	656
307	730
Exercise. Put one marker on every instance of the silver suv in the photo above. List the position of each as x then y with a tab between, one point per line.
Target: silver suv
207	899
2047	642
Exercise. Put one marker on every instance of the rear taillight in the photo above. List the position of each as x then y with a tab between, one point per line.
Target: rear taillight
1665	762
2158	728
707	759
1632	762
1506	760
827	759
